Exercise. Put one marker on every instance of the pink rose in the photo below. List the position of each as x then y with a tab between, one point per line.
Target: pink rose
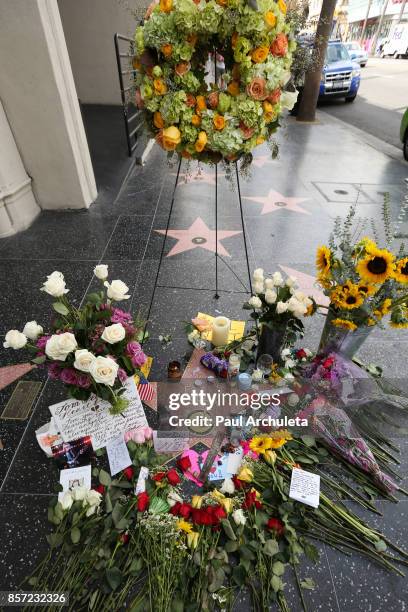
137	435
246	131
122	375
213	99
279	47
136	354
274	96
148	433
120	316
257	89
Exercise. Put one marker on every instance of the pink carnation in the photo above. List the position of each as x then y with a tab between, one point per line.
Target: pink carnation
120	316
69	376
136	354
54	371
122	375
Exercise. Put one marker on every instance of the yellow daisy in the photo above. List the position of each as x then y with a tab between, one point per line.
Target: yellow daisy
377	266
344	324
401	271
279	438
184	526
260	444
323	260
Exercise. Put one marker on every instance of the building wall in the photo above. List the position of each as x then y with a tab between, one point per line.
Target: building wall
89	27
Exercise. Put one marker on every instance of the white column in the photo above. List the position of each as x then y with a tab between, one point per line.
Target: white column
38	92
17	204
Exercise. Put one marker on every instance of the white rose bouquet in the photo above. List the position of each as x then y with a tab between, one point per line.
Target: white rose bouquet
92	349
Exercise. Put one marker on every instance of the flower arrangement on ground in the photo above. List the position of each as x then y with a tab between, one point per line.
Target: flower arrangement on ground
91	349
364	281
242	108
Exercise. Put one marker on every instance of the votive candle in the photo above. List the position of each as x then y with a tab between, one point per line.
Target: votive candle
220	331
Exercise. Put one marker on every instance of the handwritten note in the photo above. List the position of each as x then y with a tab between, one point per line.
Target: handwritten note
234	461
75	419
118	455
305	487
141	480
75	477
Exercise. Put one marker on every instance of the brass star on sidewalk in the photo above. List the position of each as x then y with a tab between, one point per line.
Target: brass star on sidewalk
276	201
198	235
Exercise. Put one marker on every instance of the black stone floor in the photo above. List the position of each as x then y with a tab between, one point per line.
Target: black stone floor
323	164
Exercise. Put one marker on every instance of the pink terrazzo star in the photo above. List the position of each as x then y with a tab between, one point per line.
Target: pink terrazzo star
260	160
276	201
307	284
9	374
198	235
201	178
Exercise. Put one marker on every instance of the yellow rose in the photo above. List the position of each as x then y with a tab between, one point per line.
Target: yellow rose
227	504
219	122
192	539
282	6
267	106
196	120
160	87
196	501
233	88
201	142
166	6
201	103
270	19
259	54
158	120
167	50
260	140
171	138
270	457
245	474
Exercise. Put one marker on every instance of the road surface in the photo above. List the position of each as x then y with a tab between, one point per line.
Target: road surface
381	100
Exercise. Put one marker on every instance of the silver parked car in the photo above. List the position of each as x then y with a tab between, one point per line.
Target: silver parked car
357	53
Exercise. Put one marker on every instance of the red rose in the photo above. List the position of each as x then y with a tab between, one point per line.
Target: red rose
219	513
300	354
276	525
202	517
100	489
173	477
185	510
239	484
142	502
327	363
128	473
273	98
184	464
279	47
159	476
175	509
124	538
251	500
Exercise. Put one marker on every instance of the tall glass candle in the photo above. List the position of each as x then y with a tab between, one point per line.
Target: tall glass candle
220	331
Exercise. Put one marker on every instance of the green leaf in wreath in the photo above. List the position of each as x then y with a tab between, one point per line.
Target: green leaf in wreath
60	308
308	440
271	547
239	575
278	568
114	577
276	583
136	565
39	360
308	583
75	535
104	478
246	553
229	532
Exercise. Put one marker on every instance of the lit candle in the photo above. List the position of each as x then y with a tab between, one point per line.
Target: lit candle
220	331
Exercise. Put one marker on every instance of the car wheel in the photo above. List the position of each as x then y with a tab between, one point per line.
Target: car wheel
363	65
406	146
351	98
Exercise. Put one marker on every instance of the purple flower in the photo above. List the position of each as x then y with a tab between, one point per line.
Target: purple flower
69	376
83	381
54	371
41	342
120	316
136	354
122	375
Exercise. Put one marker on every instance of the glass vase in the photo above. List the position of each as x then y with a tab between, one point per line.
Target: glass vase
271	342
339	340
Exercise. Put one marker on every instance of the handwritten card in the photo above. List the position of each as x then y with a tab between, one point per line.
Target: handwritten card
234	461
141	480
118	455
75	419
305	487
75	477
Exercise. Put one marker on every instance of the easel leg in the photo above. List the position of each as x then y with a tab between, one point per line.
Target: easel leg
243	227
216	296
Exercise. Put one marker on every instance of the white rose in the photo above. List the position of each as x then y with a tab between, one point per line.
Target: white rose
91	510
308	352
239	517
299	295
59	346
66	500
173	497
269	283
113	333
32	330
270	296
83	360
228	486
293	399
258	287
259	274
290	281
286	353
297	307
257	375
93	498
104	370
55	285
277	279
117	290
289	376
289	363
79	493
101	271
15	339
255	302
288	99
281	307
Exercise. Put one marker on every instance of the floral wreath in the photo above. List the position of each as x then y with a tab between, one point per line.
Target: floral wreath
247	44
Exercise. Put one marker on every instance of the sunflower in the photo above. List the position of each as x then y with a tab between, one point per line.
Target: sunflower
323	260
347	296
377	266
401	271
367	290
344	324
399	318
260	444
279	438
385	307
368	244
401	325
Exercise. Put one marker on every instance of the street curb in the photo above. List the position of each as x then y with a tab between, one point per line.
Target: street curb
381	146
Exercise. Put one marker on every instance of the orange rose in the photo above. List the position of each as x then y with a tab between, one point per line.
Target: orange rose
234	39
219	122
274	97
171	138
136	63
166	6
202	324
279	47
247	132
167	50
201	142
201	104
282	6
182	68
260	140
269	117
259	54
196	120
213	99
257	89
190	101
138	99
160	87
222	2
192	39
233	88
270	19
158	120
267	106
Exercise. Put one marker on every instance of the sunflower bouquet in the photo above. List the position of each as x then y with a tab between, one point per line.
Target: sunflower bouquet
363	281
